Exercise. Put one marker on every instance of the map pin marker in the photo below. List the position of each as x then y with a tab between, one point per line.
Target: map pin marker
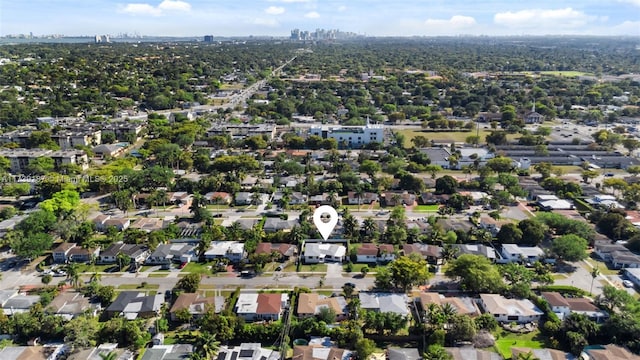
325	218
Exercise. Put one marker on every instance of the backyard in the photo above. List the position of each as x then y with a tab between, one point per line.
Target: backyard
506	340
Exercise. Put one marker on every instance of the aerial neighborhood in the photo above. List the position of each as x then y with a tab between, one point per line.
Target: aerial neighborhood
158	199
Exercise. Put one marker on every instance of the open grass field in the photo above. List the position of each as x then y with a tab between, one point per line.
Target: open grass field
507	340
457	136
566	73
197	268
426	208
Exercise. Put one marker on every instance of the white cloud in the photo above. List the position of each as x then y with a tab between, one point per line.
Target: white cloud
174	5
312	15
543	19
275	10
456	22
162	8
342	8
141	9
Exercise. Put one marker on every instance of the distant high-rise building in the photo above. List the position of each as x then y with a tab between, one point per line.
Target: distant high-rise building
208	38
102	39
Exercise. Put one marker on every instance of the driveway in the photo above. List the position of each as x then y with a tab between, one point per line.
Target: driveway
334	271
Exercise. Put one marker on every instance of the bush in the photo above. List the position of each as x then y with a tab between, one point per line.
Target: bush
563	289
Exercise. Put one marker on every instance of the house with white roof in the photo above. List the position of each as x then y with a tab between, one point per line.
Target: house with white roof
605	201
510	310
232	250
315	253
515	253
384	302
552	202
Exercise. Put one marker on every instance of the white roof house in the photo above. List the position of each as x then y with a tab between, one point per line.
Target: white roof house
319	253
384	302
510	310
513	252
232	250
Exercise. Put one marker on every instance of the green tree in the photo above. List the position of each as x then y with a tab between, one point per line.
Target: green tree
365	347
189	283
31	246
475	273
570	247
407	272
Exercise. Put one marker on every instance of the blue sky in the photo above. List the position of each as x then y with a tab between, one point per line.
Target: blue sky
278	17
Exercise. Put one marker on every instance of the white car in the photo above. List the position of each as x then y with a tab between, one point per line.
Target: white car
627	283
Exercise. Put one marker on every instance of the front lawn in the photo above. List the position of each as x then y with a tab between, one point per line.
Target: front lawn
506	340
198	268
313	268
427	208
142	286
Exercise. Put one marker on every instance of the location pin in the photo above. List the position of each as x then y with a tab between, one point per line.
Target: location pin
325	218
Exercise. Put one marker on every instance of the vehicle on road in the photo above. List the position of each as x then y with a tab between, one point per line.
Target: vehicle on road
627	283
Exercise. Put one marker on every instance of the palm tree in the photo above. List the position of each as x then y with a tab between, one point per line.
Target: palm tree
526	356
296	235
122	259
449	252
448	310
73	274
95	277
369	227
206	345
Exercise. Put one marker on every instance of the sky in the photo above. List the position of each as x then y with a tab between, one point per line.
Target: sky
278	17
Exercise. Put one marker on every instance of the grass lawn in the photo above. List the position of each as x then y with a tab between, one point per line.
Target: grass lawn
158	275
602	267
457	136
88	268
426	208
312	268
198	268
358	267
138	286
566	73
363	207
507	340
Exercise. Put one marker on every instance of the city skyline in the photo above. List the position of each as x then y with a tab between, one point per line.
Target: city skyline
278	17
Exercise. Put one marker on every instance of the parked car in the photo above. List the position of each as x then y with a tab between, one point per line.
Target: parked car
627	283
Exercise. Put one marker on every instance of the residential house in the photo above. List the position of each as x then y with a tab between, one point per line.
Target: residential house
247	351
137	253
180	198
486	117
261	307
563	306
476	249
148	224
243	198
550	354
395	198
276	224
397	353
133	305
462	305
311	304
284	251
218	197
633	274
431	198
607	352
353	198
103	222
35	352
421	225
167	352
319	352
166	254
371	253
605	202
315	253
438	156
108	150
231	250
477	197
70	304
82	255
510	310
384	302
14	302
471	353
516	253
616	255
431	253
196	304
99	352
552	202
60	253
456	224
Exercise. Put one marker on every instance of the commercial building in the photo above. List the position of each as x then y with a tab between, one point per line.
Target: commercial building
350	136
